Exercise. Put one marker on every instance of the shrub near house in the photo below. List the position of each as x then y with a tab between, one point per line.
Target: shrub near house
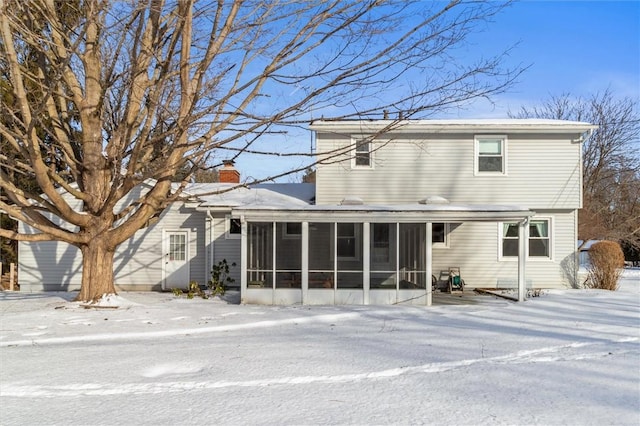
607	261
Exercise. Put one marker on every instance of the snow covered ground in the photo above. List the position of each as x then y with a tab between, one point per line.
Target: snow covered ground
567	357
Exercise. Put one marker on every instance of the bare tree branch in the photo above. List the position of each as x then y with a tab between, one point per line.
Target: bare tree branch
99	97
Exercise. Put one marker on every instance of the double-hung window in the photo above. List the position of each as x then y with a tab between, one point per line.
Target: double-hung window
362	154
491	154
509	239
347	240
539	239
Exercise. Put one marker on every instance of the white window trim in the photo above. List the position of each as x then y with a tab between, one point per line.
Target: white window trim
526	235
476	155
551	245
445	244
227	229
354	142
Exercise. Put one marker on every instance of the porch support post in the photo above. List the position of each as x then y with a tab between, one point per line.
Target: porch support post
428	263
243	258
366	261
305	262
522	258
274	260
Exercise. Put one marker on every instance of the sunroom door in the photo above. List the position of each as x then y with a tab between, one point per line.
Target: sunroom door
383	256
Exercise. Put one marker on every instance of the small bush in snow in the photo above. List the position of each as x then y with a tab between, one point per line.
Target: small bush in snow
220	277
195	290
607	261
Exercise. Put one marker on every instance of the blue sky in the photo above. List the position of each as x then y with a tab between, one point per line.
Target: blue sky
576	47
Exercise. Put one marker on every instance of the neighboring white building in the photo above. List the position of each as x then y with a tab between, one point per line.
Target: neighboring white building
359	235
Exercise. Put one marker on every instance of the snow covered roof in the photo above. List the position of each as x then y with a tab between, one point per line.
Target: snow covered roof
398	212
282	201
275	195
585	246
512	125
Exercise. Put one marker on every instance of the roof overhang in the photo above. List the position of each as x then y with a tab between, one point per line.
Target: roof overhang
452	213
453	126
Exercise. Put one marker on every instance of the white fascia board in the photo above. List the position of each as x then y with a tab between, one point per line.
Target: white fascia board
214	209
453	126
373	216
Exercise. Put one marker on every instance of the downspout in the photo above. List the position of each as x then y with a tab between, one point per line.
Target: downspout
429	263
576	254
212	246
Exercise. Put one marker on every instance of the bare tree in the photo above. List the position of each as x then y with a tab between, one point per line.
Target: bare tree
128	84
611	163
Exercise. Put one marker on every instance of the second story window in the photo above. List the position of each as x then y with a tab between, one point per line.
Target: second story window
491	154
362	157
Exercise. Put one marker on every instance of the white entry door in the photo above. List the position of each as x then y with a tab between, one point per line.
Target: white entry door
176	255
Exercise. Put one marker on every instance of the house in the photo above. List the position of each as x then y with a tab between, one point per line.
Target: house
496	198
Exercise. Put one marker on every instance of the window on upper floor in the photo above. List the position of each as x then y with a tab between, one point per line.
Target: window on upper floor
362	154
491	157
539	239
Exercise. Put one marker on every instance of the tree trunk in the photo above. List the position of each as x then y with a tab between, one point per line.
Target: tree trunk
97	271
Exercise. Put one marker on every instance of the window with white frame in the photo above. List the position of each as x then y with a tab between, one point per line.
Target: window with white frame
491	154
440	235
362	154
347	241
539	239
233	228
509	239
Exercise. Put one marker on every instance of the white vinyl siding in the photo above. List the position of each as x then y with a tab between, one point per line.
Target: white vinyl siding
474	247
137	262
226	249
544	172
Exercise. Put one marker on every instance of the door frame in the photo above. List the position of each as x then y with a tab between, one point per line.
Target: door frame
165	241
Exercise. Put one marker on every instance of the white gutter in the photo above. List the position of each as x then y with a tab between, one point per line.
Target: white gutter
212	246
327	215
450	126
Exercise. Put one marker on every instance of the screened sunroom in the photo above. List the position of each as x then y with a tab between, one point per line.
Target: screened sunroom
349	254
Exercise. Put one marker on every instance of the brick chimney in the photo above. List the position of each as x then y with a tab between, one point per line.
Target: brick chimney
228	173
